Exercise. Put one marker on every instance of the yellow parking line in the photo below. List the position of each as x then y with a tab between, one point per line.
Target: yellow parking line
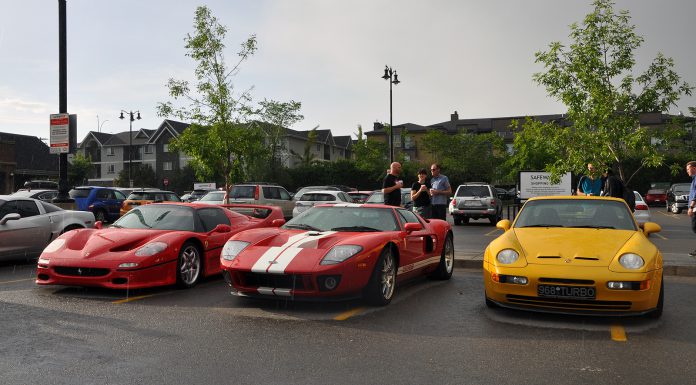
345	315
488	234
618	333
18	280
131	299
660	236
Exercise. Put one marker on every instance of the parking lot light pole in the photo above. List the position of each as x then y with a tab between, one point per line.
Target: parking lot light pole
390	74
130	143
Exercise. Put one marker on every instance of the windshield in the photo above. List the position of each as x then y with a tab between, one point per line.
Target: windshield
682	189
213	196
576	213
473	191
159	217
344	219
242	192
376	197
79	193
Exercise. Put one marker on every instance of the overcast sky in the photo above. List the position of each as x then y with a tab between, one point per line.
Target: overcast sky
475	57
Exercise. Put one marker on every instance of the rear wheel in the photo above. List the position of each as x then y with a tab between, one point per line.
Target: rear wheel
380	289
457	220
446	266
188	267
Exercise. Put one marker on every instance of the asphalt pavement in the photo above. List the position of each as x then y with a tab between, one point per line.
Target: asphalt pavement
675	241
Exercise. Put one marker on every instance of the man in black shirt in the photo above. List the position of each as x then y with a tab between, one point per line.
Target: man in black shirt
420	194
391	186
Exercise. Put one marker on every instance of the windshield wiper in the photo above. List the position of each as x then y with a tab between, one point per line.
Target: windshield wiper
543	225
302	226
593	227
354	228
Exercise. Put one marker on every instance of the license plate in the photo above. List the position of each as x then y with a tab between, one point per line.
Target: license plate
472	203
558	291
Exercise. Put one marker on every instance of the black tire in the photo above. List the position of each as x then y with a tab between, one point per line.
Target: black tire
457	220
657	313
100	215
189	265
380	290
493	219
446	266
71	227
465	219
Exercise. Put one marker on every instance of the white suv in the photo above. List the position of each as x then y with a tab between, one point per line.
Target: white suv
475	200
308	199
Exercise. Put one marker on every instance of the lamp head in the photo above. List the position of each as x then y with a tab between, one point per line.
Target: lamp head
138	115
121	117
386	73
396	78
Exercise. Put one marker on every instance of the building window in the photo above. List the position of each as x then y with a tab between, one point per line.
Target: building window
111	169
318	147
148	149
167	166
510	148
109	151
165	147
397	141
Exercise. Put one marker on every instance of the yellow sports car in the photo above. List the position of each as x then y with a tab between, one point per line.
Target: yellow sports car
580	255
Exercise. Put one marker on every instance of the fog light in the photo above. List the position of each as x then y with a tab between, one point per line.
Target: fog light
128	265
514	279
628	285
328	282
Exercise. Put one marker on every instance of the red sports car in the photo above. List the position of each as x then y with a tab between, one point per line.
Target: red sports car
656	197
338	251
153	245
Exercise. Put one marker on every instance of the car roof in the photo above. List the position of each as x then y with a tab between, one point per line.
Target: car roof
573	197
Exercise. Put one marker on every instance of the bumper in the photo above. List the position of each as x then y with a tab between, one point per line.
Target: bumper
79	273
606	301
473	212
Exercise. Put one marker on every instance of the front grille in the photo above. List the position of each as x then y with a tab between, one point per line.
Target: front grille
81	271
568	304
279	281
567	280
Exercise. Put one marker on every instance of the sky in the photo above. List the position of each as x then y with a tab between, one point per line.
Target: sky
473	57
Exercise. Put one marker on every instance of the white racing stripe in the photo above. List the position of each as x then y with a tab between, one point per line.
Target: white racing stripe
276	259
418	265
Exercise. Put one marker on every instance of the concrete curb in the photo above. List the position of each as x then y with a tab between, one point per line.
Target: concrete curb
671	270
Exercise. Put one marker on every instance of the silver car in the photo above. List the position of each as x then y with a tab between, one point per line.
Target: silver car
311	198
642	212
28	225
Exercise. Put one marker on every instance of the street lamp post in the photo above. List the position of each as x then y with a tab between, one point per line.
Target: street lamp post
393	78
130	143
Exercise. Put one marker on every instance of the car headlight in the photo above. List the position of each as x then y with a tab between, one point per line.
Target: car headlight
55	245
340	253
507	256
232	249
631	261
151	249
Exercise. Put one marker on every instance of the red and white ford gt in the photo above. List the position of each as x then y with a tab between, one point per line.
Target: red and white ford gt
338	251
152	245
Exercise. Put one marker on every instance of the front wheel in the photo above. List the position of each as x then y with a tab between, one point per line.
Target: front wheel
446	266
380	289
188	267
657	313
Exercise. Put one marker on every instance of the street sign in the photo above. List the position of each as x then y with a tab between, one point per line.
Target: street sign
60	138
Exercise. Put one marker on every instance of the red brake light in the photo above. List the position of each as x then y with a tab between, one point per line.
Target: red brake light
641	207
256	192
454	202
492	201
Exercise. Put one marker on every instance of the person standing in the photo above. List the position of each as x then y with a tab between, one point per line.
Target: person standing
391	186
691	170
613	187
590	184
439	191
420	195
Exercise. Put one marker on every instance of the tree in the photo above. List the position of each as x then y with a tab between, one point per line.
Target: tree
594	78
220	138
307	158
79	170
371	156
143	176
278	116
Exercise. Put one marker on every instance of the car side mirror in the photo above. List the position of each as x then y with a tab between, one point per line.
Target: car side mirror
410	227
503	224
277	222
651	227
98	225
222	228
10	217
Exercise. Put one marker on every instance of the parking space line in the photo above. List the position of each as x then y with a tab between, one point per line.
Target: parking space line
618	333
18	280
490	233
131	299
660	236
347	314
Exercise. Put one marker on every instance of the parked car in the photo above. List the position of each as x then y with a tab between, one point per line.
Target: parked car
656	197
311	198
582	255
27	225
338	251
475	200
360	196
213	197
678	197
104	202
260	193
143	197
152	245
198	194
303	190
43	195
41	184
642	211
377	197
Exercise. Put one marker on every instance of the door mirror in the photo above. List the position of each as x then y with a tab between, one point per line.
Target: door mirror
222	228
9	217
651	227
410	227
277	222
503	224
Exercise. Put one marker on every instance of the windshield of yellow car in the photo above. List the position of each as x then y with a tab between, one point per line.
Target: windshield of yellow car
576	213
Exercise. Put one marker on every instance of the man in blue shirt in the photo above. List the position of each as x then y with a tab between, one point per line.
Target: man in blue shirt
691	170
439	191
592	183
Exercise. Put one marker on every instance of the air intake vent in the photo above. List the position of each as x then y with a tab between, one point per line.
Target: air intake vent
549	257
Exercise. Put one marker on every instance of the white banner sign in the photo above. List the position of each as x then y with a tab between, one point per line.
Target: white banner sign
60	137
536	183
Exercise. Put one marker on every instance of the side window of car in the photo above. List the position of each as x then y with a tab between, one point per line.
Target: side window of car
284	194
102	194
119	195
8	208
211	217
407	216
27	208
